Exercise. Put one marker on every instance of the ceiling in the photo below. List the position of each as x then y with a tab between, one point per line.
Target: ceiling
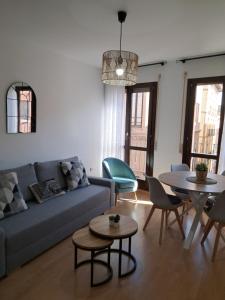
84	29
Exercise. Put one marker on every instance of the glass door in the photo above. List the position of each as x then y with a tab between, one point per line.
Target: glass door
140	129
204	122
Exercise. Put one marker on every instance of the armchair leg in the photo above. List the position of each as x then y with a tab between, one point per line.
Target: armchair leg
117	195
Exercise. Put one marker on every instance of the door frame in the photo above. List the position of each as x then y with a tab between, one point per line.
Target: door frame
189	118
151	128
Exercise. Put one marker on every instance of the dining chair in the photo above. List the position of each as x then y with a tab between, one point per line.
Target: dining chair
212	198
181	193
119	171
216	214
165	202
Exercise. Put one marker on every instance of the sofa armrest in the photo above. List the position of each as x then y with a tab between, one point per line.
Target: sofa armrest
107	183
2	253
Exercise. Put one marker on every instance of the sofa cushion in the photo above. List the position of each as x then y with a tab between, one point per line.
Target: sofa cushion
43	219
11	198
46	190
75	174
26	176
51	170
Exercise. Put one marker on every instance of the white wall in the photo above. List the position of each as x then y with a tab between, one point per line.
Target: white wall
69	107
170	99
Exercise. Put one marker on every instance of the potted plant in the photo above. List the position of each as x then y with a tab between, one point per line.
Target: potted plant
201	171
114	220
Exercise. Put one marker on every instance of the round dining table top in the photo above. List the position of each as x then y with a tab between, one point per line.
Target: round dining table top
179	180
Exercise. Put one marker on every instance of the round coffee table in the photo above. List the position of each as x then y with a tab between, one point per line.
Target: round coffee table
126	229
84	239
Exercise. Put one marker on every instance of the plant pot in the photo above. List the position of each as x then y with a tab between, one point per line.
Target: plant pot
201	175
114	224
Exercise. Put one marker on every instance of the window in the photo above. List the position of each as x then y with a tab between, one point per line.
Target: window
137	109
204	122
140	129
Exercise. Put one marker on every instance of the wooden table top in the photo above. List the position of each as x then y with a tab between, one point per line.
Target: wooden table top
84	239
178	180
100	226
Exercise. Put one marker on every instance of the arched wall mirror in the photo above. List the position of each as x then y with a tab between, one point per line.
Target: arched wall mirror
20	108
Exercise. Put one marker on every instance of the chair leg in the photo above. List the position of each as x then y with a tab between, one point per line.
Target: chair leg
135	194
202	221
216	242
161	227
183	212
117	195
179	223
208	227
149	216
167	217
168	214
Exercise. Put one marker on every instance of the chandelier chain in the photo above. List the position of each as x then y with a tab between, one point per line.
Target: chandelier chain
121	25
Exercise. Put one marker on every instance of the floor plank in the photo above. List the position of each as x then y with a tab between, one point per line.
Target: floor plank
163	272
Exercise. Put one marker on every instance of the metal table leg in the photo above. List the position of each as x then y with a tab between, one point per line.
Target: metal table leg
121	253
109	255
120	258
129	245
93	261
75	256
92	268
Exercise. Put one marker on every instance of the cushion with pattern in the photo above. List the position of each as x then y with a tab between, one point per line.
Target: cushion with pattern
46	190
75	174
11	198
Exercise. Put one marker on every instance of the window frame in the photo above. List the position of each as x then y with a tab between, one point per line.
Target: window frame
189	119
149	149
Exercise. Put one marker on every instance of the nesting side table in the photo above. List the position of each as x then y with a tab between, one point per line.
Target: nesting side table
85	240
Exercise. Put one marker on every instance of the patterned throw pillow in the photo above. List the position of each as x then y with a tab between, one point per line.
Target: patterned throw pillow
46	190
11	198
75	174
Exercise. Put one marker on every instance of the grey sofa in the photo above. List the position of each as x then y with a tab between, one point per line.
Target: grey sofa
27	234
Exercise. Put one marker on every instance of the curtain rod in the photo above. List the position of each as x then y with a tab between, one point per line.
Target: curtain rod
183	60
162	63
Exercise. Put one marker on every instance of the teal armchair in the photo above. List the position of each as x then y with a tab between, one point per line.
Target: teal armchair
121	174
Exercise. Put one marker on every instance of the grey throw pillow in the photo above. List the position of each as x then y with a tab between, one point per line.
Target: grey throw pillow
75	174
11	198
45	190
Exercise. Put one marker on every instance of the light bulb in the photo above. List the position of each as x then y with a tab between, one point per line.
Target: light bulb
119	71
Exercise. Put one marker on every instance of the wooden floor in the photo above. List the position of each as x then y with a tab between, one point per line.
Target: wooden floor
163	272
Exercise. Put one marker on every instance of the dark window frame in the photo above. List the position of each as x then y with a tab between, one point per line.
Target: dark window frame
152	86
189	118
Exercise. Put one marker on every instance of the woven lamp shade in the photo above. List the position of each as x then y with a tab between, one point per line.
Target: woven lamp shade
110	64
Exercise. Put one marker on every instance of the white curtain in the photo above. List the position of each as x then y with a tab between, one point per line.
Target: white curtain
114	122
221	166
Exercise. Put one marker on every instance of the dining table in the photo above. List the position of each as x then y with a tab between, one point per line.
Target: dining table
199	193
